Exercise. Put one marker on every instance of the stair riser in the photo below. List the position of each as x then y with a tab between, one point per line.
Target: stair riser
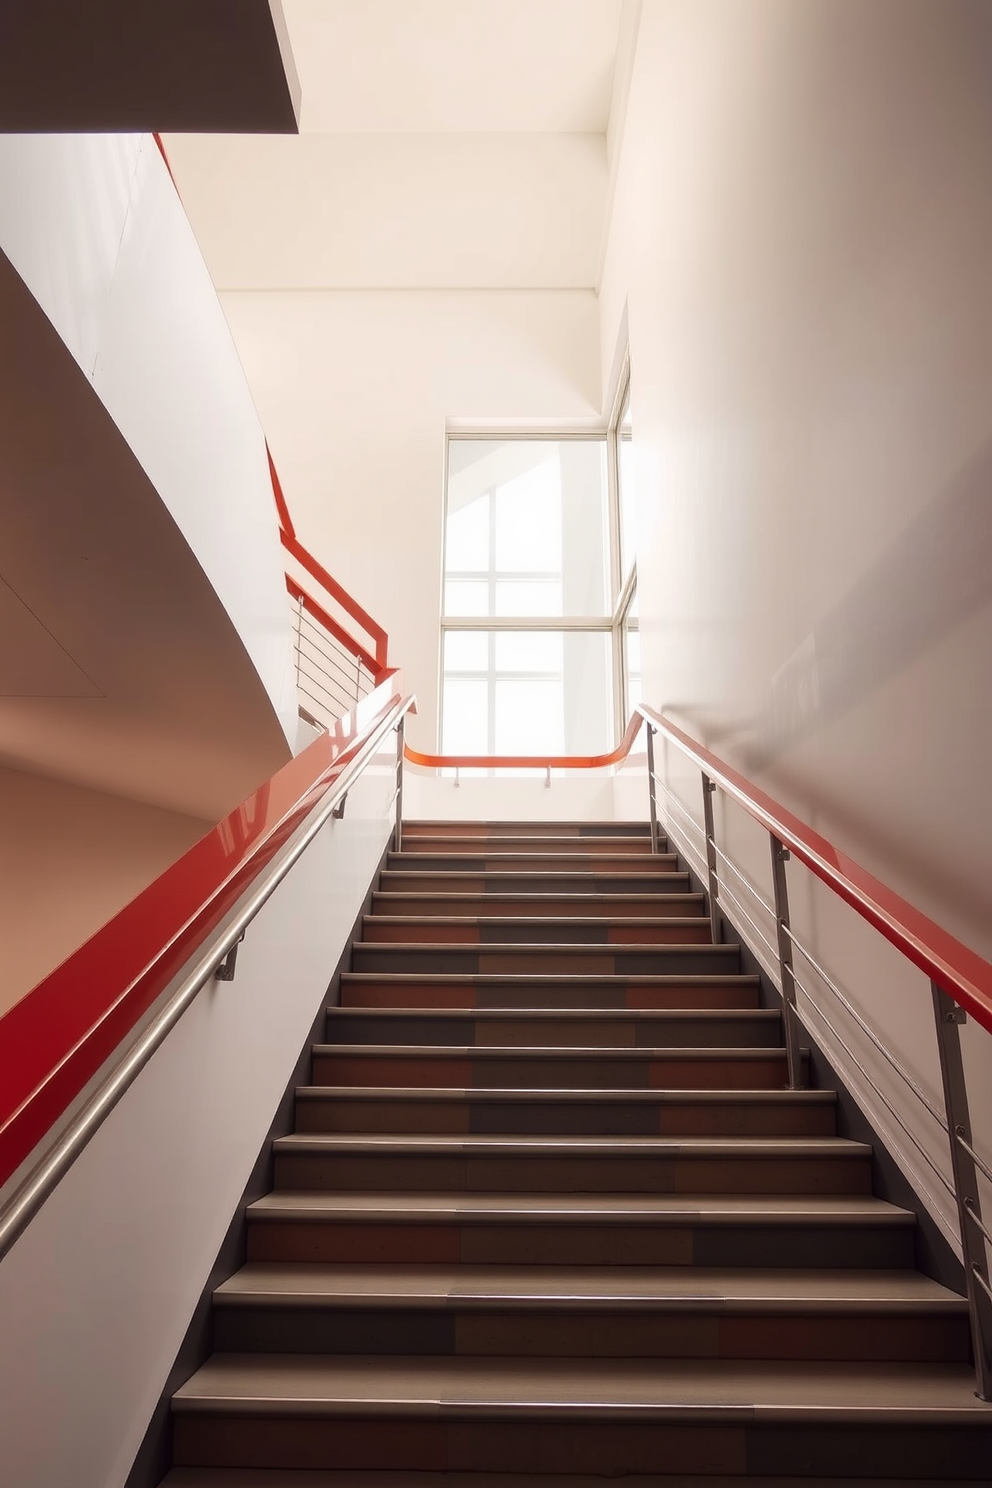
564	1175
561	1117
682	1033
498	960
509	906
597	1332
673	931
586	846
580	1243
588	884
570	993
493	861
733	1445
538	831
765	1070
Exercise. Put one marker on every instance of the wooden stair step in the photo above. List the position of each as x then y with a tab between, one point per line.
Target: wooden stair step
250	1477
535	930
597	1312
589	882
657	864
609	1417
482	1066
435	1162
612	845
789	1230
536	1028
537	905
683	958
566	1112
570	991
446	828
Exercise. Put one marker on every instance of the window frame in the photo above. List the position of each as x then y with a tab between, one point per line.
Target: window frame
621	594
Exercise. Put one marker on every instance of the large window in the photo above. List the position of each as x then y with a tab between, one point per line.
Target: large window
532	645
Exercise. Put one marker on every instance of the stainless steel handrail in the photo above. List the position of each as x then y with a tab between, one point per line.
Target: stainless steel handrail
43	1179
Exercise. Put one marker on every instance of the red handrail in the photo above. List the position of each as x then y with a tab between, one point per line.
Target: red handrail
317	571
55	1039
960	972
527	761
331	625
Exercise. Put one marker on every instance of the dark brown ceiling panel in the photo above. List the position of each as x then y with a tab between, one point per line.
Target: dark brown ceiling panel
78	66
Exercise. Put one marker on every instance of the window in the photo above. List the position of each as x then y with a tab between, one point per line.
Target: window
532	650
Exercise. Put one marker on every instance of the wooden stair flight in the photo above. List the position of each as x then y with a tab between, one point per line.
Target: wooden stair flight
549	1214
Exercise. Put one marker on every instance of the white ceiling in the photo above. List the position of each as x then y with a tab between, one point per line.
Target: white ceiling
444	144
462	66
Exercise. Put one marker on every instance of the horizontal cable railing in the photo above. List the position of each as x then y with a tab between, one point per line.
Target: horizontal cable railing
57	1038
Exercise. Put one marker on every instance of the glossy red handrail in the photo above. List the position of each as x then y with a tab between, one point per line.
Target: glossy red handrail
960	972
331	625
317	571
55	1039
527	761
292	544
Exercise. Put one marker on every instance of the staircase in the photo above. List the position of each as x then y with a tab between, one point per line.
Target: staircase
549	1210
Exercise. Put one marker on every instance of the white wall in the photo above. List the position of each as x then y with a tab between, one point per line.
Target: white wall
354	390
70	859
93	225
802	237
97	1294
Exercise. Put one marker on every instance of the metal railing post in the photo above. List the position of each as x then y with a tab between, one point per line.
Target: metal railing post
948	1018
780	856
400	730
652	790
713	881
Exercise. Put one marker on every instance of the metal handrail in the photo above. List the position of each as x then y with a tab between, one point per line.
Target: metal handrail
960	981
965	975
43	1179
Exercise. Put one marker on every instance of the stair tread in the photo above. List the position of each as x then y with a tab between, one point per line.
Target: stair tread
249	1477
410	1207
625	922
554	1095
533	859
550	947
562	1015
567	1146
717	1288
551	979
591	1053
308	1385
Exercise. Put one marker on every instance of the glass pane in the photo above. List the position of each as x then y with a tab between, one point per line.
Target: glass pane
549	504
628	507
528	516
466	651
467	543
529	717
529	651
466	597
528	597
465	717
633	647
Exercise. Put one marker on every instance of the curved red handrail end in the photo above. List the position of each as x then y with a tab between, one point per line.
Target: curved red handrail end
528	761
